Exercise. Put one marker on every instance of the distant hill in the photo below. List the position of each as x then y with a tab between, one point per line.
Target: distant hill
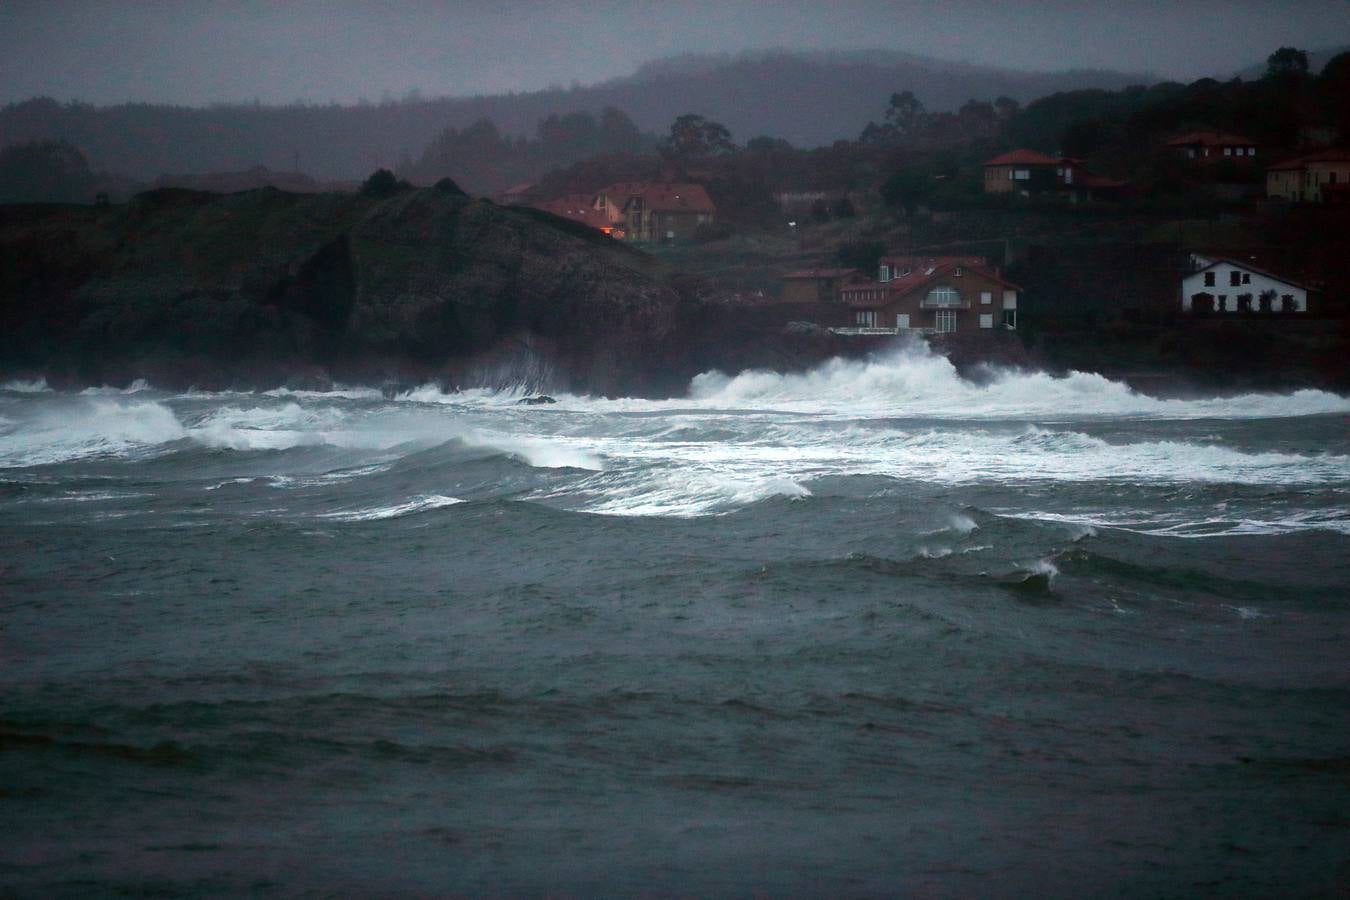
810	99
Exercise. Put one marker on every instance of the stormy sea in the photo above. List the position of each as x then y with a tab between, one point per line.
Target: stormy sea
867	630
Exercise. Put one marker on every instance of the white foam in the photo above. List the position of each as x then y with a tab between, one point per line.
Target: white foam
338	391
35	386
136	387
417	504
89	427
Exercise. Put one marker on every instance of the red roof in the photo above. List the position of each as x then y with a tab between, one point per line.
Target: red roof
1211	139
1023	158
939	268
1298	162
665	197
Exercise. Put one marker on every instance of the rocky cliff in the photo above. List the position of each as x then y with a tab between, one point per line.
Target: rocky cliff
264	287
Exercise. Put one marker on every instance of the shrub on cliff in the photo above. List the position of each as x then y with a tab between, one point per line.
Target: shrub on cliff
383	183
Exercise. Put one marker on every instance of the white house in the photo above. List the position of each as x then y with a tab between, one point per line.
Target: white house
1218	285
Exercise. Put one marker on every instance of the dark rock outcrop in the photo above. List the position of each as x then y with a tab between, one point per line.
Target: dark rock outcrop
265	287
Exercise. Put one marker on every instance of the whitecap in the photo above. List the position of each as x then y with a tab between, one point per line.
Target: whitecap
417	504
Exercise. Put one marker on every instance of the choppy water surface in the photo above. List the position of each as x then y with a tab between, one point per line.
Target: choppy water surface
868	630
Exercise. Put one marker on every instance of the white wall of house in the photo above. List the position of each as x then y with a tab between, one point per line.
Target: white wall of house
1249	282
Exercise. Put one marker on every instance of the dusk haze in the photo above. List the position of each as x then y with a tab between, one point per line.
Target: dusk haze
884	448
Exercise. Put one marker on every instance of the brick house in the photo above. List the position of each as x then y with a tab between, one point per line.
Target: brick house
1027	172
581	208
1210	147
656	211
931	295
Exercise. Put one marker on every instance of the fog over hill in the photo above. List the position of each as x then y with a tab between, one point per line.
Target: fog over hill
808	98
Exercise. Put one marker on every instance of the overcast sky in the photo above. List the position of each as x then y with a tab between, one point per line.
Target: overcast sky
197	52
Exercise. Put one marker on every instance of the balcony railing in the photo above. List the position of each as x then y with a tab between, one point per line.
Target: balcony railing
864	329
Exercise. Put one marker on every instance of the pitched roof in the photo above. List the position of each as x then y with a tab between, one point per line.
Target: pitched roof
1023	158
662	196
1248	267
942	269
1211	139
1336	154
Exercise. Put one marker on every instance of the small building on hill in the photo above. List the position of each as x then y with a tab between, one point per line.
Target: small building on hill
581	208
818	285
653	212
1222	286
1210	147
1322	177
1027	173
935	295
1020	171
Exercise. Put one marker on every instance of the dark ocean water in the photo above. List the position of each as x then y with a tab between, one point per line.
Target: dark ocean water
868	631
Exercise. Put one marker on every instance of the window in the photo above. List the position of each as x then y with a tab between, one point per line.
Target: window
885	273
1209	279
1227	151
902	321
1246	278
903	273
944	320
987	320
1010	318
1234	278
867	318
959	272
1021	174
942	296
986	297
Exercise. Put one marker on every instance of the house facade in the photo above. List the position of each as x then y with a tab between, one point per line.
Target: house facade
653	212
1210	147
935	295
818	285
1315	178
1020	172
1221	286
581	208
1027	172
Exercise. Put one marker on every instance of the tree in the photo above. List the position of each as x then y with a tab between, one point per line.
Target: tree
1006	107
862	255
694	137
820	210
905	112
382	183
1287	61
44	172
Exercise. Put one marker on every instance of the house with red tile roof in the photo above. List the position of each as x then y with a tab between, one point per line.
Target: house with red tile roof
935	295
1322	177
581	208
657	211
1210	147
1027	172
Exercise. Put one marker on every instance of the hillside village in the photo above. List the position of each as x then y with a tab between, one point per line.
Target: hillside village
1139	219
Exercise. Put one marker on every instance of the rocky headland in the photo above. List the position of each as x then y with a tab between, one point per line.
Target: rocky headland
267	288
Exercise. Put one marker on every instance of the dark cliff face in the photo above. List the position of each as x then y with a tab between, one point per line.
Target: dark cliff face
265	287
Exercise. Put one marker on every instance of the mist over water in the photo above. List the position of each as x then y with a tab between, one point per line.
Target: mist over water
870	628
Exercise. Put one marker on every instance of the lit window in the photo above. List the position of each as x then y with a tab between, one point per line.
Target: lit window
943	296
